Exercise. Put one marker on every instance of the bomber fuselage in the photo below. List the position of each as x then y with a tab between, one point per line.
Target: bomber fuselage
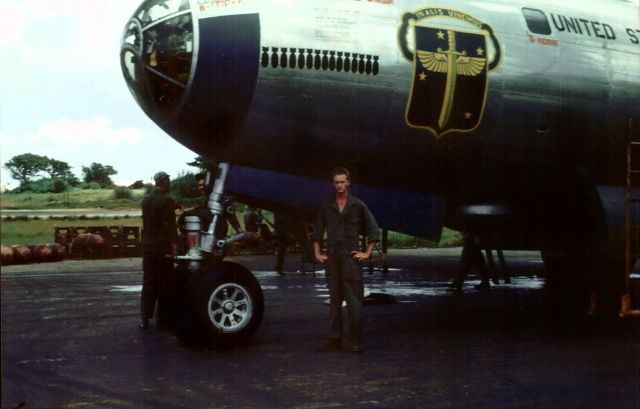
474	101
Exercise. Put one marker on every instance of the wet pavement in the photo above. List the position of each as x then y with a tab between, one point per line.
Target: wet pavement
69	340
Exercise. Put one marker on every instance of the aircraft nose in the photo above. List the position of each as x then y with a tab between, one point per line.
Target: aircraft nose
157	55
193	75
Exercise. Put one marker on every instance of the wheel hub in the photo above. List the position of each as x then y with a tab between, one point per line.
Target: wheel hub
228	307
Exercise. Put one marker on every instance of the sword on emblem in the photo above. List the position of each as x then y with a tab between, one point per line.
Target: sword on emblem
453	63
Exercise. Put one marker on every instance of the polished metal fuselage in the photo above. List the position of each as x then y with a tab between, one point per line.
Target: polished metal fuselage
296	87
549	105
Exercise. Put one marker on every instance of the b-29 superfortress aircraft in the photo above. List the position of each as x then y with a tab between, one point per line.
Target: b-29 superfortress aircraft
508	118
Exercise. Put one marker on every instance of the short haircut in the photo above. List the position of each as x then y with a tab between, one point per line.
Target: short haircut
340	171
200	176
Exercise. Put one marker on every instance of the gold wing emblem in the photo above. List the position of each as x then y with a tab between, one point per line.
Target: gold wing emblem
470	65
431	61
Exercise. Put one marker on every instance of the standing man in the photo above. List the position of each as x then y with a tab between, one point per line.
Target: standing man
281	222
252	220
201	181
159	240
201	211
471	256
344	217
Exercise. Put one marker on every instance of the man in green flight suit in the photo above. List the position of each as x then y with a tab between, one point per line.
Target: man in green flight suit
159	241
344	216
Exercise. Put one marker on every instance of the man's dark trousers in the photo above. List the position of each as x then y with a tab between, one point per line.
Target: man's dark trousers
157	268
344	278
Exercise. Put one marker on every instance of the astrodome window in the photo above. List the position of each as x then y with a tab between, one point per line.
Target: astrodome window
536	21
154	10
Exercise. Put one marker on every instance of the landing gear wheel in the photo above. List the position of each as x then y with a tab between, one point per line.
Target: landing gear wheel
228	304
230	307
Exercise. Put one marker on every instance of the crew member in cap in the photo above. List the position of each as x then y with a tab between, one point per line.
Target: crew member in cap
159	241
344	216
202	211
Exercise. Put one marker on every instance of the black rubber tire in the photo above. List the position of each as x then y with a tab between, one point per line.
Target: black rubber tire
212	283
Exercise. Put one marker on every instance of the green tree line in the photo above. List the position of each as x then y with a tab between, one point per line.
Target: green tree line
41	174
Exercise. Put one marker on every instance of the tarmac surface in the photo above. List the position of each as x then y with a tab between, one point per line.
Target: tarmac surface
70	340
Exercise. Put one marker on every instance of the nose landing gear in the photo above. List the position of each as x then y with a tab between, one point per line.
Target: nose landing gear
217	303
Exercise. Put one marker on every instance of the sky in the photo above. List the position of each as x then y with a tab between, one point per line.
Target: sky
62	93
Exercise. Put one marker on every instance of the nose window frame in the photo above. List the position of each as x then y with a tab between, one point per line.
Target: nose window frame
160	91
146	12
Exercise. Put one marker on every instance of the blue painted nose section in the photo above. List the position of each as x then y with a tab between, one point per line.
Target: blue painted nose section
223	83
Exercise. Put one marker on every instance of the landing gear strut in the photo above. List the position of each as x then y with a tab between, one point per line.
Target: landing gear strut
218	303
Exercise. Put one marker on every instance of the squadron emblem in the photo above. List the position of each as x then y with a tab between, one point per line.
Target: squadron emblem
450	72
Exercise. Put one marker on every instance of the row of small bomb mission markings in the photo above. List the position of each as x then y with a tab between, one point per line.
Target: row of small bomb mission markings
320	59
